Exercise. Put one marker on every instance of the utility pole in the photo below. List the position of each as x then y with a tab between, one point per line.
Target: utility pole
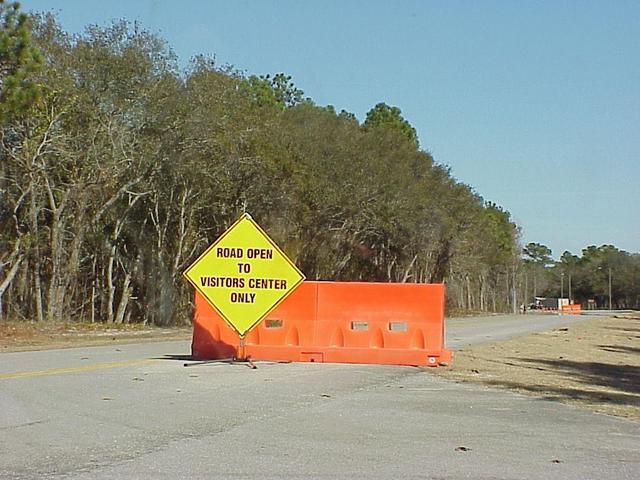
610	295
610	304
561	292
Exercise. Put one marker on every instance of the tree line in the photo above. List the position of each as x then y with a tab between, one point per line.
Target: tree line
117	169
602	277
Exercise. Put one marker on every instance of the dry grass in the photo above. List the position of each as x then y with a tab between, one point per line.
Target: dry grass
593	364
18	336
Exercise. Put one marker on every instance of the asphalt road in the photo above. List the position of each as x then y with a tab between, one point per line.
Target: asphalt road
462	332
134	411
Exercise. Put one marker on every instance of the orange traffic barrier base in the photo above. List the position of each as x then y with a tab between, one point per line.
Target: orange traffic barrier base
335	322
571	308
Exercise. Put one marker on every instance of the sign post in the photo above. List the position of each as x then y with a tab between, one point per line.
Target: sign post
244	275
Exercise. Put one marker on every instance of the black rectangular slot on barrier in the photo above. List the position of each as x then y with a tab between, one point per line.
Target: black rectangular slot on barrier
398	326
360	326
273	323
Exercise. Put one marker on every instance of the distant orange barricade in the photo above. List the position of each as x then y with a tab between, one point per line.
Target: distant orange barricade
571	308
336	322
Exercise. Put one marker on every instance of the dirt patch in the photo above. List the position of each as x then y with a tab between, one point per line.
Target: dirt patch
20	336
593	364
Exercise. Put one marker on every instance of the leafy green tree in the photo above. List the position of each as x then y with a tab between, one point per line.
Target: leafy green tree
537	258
593	272
19	60
126	169
497	241
538	253
277	91
568	268
347	116
385	116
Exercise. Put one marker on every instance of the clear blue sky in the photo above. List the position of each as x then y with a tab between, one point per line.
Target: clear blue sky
535	104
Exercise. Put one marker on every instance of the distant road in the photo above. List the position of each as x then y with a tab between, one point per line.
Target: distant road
134	411
462	332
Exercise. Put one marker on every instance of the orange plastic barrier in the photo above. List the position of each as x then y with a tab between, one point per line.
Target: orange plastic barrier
572	308
337	322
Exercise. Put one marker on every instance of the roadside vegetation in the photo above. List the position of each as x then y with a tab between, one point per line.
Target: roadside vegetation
117	169
592	364
587	279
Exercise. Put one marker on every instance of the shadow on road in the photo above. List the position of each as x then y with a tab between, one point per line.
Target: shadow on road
628	330
182	358
620	349
622	382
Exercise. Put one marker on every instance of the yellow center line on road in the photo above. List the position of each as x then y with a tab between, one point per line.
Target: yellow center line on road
84	368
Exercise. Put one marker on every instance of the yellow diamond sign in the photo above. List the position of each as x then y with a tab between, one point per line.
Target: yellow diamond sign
244	275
